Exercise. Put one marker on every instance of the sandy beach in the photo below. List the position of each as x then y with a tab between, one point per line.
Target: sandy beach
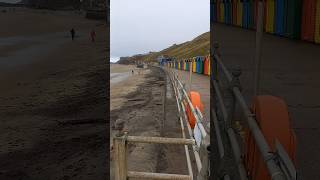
138	101
123	82
53	96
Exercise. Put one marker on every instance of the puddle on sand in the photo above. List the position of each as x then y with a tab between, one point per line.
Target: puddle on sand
118	77
36	47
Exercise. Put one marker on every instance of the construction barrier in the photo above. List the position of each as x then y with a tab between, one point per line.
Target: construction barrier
196	102
295	19
269	110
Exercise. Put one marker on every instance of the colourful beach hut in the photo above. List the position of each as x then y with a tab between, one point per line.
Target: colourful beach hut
251	14
308	20
270	16
222	11
187	65
293	19
201	64
245	15
206	66
213	11
234	11
217	6
209	65
227	11
198	64
317	24
239	12
279	17
194	65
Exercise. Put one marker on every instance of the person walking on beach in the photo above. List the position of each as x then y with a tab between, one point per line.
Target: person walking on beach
93	35
132	71
73	32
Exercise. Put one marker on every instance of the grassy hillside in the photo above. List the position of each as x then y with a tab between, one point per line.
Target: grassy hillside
200	46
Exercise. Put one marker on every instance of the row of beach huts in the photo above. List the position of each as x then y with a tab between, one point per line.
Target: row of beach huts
199	64
295	19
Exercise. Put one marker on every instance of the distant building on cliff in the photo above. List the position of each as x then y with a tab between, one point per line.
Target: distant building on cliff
63	4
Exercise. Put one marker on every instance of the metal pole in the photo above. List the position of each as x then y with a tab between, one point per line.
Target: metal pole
259	34
190	76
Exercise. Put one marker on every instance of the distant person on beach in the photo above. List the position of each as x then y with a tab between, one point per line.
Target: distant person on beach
73	32
93	35
132	71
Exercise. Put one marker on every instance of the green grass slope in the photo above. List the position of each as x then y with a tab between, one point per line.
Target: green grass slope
199	46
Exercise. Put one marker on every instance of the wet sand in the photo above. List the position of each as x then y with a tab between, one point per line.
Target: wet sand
53	102
123	82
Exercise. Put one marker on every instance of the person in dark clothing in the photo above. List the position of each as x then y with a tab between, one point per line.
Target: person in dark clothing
73	32
93	35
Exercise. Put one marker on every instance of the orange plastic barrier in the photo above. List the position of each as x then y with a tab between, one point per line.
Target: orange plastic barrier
273	119
196	102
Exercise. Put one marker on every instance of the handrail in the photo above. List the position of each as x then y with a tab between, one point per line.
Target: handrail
144	175
181	95
160	140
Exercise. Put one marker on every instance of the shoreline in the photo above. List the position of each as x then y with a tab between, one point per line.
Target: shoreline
124	84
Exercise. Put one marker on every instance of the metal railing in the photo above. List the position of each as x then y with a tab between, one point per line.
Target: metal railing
198	133
199	146
222	111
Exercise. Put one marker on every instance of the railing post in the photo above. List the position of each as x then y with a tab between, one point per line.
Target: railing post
120	159
204	156
230	100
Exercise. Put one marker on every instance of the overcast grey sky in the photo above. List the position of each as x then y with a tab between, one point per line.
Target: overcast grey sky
140	26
